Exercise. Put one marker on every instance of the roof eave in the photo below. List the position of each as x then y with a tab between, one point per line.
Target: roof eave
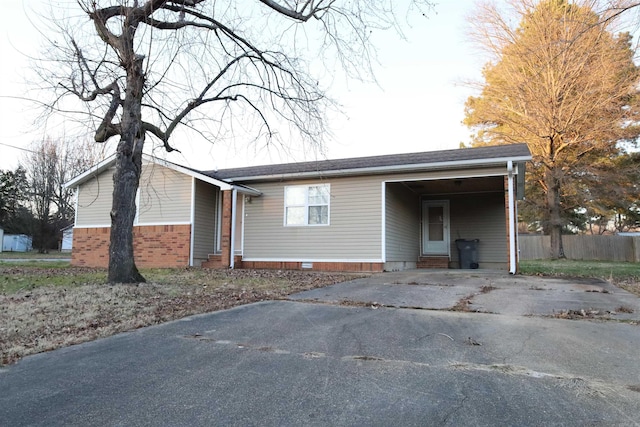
92	171
202	177
386	169
109	161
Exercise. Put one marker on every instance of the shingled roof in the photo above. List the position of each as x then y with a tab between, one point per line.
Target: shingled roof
418	161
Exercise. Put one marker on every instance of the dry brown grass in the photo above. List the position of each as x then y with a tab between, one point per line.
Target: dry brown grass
630	285
47	317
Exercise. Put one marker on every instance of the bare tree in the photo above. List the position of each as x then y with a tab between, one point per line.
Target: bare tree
15	218
144	69
48	165
564	83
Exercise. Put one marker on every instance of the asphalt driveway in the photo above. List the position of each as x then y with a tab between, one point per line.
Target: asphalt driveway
387	351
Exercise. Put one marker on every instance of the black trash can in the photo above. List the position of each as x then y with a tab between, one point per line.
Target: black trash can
468	253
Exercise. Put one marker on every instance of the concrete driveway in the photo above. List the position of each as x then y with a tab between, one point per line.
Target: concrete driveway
351	355
486	292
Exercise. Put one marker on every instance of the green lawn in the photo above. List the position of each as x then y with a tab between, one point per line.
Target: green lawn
598	269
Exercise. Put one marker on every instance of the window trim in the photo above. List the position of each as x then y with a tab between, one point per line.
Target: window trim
307	205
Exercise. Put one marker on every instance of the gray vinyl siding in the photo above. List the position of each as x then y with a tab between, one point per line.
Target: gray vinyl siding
480	216
402	238
353	233
165	196
94	201
355	216
205	221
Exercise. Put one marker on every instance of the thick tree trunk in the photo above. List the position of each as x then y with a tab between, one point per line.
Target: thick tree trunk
555	218
126	180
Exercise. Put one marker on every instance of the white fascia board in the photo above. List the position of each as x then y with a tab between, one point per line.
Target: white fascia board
419	167
221	184
247	190
456	176
91	172
109	161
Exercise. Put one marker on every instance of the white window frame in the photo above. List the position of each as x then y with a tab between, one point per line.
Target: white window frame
307	205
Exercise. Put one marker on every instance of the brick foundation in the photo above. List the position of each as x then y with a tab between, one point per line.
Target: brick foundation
369	267
90	247
154	246
216	262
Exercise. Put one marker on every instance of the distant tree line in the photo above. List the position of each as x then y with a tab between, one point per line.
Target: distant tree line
33	200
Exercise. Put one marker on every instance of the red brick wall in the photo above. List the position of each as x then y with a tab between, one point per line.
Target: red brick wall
225	229
154	246
90	247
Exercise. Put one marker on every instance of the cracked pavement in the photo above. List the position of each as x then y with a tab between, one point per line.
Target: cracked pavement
349	355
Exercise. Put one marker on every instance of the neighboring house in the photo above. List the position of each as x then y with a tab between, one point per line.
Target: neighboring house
66	244
16	243
362	214
1	237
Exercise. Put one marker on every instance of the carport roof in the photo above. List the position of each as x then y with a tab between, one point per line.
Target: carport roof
468	157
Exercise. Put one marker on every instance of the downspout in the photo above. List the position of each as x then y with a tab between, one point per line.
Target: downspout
75	213
232	249
193	220
512	219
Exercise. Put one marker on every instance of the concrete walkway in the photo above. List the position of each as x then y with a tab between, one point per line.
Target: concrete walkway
332	359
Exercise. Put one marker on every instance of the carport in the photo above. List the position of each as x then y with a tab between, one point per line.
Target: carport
425	215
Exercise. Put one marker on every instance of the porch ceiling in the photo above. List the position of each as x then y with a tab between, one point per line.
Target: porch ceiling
453	186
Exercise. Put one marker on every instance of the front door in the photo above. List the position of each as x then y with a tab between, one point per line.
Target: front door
435	227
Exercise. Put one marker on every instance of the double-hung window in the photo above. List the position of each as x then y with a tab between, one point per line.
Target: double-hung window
306	205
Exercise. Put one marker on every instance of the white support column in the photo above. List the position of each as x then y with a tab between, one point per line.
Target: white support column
193	220
384	222
512	219
75	214
232	249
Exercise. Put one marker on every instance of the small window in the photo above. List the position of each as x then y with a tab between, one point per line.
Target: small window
306	205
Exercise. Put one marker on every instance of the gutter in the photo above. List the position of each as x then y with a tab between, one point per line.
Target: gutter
413	167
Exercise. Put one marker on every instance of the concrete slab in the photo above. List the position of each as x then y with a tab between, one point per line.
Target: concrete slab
290	363
485	291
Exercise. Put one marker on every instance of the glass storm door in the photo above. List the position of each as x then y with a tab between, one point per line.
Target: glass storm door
435	227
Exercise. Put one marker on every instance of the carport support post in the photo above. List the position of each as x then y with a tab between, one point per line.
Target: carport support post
512	219
225	229
232	246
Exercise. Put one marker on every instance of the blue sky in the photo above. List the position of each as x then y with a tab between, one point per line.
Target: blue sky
417	105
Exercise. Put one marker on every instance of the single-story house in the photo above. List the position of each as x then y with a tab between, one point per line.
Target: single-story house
1	237
377	213
17	243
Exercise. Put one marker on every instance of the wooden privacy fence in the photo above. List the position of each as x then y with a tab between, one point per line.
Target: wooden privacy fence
583	247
